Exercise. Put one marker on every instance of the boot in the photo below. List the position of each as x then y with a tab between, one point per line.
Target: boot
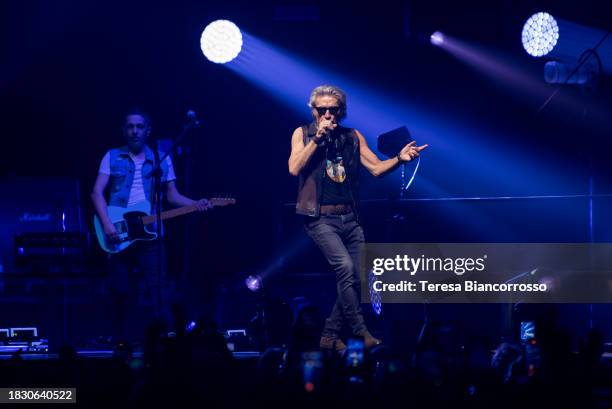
368	340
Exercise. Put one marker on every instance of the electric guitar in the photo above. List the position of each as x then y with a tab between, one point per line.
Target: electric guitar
136	223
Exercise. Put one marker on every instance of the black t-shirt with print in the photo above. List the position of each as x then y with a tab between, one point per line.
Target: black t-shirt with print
335	186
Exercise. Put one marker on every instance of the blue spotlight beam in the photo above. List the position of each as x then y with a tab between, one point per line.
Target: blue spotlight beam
458	143
505	72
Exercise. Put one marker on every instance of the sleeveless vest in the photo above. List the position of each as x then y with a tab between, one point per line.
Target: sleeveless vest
311	177
122	175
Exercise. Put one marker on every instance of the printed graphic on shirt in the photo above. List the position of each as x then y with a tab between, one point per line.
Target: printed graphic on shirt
335	169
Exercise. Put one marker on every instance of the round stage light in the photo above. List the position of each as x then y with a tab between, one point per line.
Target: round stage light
540	34
221	41
437	38
254	283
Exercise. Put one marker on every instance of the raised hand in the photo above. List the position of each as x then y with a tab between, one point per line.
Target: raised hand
112	235
411	151
324	126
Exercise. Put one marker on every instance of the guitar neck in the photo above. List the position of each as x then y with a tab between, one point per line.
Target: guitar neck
169	214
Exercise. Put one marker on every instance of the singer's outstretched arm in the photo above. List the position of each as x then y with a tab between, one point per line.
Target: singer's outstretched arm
379	167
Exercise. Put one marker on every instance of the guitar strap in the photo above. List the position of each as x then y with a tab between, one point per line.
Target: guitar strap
156	155
159	194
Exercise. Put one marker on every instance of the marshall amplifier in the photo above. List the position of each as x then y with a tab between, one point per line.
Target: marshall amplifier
36	205
50	252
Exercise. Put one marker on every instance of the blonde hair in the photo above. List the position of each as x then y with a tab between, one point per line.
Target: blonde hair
332	91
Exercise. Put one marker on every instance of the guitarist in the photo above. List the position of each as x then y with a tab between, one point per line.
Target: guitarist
125	171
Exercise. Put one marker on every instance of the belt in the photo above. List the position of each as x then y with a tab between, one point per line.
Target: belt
339	209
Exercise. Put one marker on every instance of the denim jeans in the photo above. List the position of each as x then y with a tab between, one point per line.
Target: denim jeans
339	238
134	284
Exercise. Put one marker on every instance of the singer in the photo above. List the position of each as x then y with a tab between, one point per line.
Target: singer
126	172
326	157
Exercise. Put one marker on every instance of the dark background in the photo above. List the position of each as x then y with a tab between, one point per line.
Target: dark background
70	69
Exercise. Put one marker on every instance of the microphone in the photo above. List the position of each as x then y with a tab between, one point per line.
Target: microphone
327	137
192	118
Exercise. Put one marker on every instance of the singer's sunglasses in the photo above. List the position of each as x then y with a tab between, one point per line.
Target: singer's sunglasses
323	110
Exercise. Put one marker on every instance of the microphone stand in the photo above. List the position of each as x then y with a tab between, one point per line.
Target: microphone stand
156	173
